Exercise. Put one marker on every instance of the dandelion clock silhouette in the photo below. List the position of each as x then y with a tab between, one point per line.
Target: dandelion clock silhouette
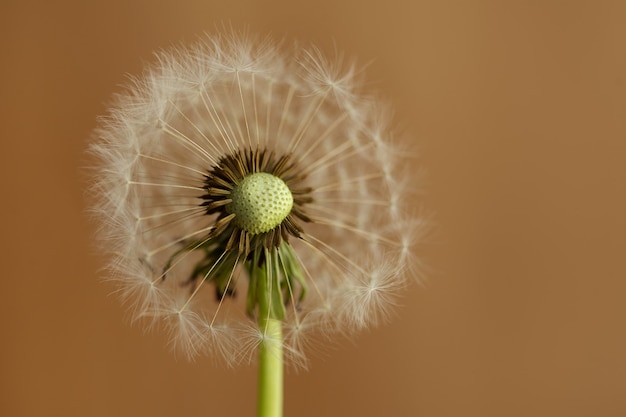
252	201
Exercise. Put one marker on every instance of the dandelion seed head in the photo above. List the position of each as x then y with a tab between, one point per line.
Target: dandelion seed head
237	161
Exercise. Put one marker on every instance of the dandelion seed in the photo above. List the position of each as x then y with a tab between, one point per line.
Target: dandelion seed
239	183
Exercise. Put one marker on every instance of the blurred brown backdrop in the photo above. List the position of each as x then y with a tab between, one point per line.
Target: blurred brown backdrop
519	109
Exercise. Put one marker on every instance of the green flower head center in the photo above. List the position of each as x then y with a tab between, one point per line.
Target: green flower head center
260	202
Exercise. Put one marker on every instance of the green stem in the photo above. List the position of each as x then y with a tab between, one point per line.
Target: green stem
271	312
270	401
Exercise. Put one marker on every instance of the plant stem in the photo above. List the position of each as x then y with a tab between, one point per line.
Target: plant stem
270	401
271	313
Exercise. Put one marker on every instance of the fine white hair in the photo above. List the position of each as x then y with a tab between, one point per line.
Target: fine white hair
195	105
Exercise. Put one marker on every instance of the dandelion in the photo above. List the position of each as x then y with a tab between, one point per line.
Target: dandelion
252	198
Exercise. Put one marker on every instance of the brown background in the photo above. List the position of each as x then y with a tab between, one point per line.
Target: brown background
519	110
